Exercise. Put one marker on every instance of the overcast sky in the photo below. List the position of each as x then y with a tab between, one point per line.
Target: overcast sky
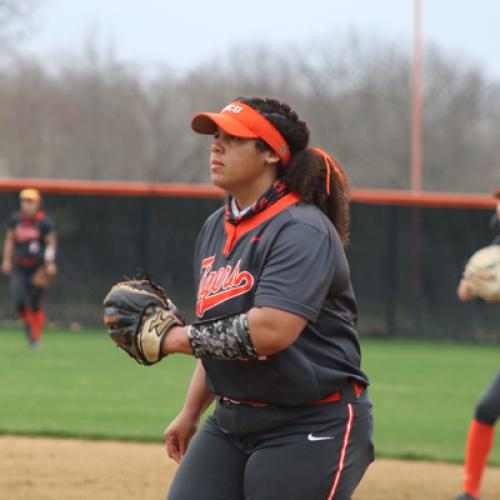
183	33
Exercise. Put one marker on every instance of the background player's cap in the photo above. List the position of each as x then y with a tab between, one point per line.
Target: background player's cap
30	194
496	194
243	121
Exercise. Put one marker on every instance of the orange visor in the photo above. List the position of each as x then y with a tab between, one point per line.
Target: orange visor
241	120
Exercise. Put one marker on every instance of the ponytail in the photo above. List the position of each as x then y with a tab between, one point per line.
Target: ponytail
311	173
318	179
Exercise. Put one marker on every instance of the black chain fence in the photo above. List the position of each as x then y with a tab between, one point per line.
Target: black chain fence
406	261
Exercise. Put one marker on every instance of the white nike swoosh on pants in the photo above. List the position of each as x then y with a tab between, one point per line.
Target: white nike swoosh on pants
311	437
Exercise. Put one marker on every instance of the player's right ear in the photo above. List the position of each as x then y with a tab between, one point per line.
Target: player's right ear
271	159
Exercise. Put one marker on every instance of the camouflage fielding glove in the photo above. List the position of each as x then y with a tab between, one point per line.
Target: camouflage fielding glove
138	314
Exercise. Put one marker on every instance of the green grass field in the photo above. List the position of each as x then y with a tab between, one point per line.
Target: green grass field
79	384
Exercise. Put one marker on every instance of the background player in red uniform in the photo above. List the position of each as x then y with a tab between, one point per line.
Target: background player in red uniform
482	428
276	339
30	242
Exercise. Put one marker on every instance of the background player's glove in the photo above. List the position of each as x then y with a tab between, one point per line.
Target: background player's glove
482	274
45	275
138	314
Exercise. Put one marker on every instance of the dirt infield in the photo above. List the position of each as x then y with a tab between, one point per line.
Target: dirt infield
71	469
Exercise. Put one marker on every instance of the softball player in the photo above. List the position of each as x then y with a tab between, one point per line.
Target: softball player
481	434
276	338
30	242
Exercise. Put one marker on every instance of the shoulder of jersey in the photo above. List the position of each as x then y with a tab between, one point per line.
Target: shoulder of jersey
214	218
311	215
15	216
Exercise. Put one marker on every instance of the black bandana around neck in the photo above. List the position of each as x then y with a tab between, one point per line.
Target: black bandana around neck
273	194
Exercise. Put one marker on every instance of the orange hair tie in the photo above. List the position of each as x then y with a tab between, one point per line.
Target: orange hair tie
329	164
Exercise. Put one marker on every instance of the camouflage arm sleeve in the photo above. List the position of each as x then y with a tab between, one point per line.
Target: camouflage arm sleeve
226	338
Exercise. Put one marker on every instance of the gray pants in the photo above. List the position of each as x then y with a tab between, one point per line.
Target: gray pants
317	452
24	294
488	408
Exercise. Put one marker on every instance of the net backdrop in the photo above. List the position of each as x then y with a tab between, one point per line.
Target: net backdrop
406	256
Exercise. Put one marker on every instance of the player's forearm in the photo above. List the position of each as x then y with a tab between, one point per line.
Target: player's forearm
226	339
198	398
463	292
176	341
260	332
50	248
8	248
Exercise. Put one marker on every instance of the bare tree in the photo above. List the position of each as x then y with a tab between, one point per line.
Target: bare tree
96	117
459	127
15	16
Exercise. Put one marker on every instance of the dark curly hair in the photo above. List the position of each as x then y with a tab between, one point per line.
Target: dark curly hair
306	172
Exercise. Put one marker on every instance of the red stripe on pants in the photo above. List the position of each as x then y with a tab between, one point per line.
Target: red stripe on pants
345	444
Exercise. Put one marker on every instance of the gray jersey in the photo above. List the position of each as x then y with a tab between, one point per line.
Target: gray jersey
289	257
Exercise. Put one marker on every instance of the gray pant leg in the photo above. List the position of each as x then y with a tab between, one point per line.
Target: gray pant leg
20	288
23	292
212	469
35	297
359	454
298	468
488	408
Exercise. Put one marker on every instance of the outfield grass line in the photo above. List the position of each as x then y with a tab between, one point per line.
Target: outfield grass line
84	436
78	385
